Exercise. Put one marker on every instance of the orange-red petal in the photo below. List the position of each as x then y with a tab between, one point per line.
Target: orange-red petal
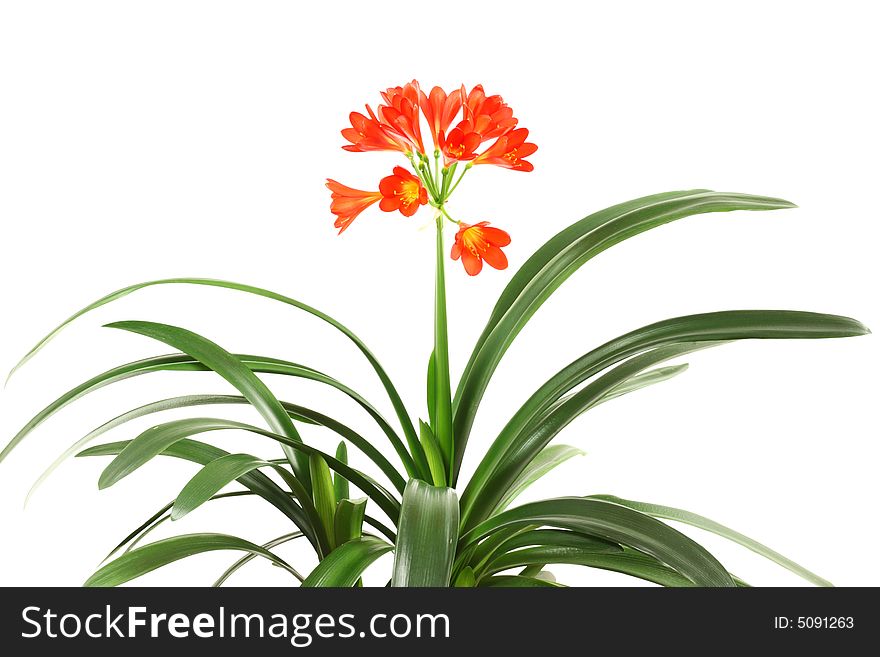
347	203
478	243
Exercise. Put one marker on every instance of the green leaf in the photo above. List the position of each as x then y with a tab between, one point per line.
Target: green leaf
442	392
340	483
236	373
547	459
707	327
259	364
629	563
323	495
465	579
299	413
246	559
558	259
432	392
343	567
136	455
144	529
432	452
214	476
426	536
147	558
517	581
615	523
688	518
396	402
202	453
510	455
349	519
643	380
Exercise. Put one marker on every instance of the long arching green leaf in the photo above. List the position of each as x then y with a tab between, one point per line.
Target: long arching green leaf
489	485
399	408
246	559
616	523
236	373
426	536
629	562
688	518
260	484
148	558
158	439
259	364
213	477
705	327
345	565
162	515
558	259
547	459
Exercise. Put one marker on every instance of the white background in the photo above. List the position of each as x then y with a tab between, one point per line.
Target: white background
145	140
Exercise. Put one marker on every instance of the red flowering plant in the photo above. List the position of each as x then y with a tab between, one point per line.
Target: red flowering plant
442	533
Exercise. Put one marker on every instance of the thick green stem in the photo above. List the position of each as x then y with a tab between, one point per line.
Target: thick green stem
442	392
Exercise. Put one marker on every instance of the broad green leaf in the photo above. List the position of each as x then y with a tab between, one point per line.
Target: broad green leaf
442	392
178	429
340	483
688	518
259	364
323	495
558	259
343	567
547	459
433	454
348	521
396	402
246	559
426	536
615	523
707	327
148	558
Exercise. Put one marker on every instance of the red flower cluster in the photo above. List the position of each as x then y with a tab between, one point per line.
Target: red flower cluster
467	128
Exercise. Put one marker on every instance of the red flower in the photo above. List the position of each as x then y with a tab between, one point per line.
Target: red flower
401	114
490	115
368	134
402	191
440	110
478	243
461	143
347	203
509	151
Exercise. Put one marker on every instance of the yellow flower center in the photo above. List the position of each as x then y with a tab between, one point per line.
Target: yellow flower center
409	192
